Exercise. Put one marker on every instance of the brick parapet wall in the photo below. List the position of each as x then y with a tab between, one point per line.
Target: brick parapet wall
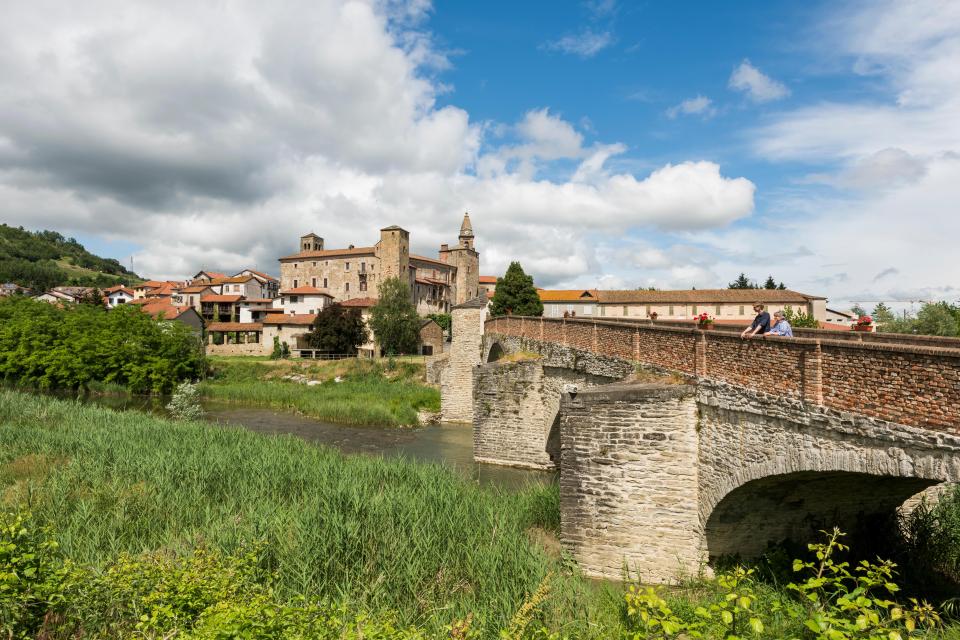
822	334
913	384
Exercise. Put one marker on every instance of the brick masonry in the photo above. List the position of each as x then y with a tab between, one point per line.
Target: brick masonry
910	381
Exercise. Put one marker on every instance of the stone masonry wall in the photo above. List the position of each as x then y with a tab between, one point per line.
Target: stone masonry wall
913	384
767	464
249	349
456	387
515	408
629	480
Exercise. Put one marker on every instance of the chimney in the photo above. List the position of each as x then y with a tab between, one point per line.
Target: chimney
444	247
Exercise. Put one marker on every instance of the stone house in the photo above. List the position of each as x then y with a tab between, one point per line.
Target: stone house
220	308
431	337
303	300
355	272
12	288
117	295
487	286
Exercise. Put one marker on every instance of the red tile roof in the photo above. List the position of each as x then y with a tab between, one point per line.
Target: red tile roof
212	274
118	287
305	290
567	295
157	307
221	298
234	326
432	261
199	288
488	279
258	300
331	253
258	273
359	302
300	319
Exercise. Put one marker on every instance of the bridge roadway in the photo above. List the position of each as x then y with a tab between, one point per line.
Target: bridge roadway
750	441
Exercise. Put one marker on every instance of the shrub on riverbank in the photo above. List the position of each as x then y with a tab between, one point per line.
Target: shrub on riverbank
357	392
75	346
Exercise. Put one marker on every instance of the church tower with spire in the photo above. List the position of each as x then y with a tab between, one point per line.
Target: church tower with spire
467	261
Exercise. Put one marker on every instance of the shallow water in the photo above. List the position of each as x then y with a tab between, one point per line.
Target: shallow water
448	444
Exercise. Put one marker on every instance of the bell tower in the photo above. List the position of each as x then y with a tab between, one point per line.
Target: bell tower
467	261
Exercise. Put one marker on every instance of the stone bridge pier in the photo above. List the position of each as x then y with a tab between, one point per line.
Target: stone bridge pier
660	479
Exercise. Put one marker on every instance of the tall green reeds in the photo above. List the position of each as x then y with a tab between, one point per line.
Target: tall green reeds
386	534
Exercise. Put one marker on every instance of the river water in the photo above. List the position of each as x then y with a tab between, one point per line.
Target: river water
447	444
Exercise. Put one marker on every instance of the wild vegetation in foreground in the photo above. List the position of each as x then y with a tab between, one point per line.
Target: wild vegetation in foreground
355	391
120	524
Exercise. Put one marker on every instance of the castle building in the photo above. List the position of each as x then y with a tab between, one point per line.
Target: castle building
435	284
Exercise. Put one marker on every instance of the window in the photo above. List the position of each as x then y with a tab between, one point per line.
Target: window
624	310
313	282
295	284
295	265
717	311
314	264
324	283
363	283
741	309
670	311
603	311
693	309
294	299
347	266
588	310
346	287
363	267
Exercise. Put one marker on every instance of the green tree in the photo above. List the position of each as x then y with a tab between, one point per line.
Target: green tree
858	310
770	283
394	319
515	294
93	297
937	319
800	320
742	282
445	320
882	313
338	329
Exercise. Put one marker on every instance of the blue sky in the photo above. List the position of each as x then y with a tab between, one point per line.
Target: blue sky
601	143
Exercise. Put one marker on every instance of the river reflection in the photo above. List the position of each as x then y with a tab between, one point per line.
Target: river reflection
447	444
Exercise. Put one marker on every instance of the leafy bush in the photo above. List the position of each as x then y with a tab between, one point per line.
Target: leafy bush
33	576
185	403
54	347
831	603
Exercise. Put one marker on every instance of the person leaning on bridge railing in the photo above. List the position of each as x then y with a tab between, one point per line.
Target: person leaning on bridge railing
760	324
780	326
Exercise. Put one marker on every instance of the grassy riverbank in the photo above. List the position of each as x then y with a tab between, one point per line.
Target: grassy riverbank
198	531
357	392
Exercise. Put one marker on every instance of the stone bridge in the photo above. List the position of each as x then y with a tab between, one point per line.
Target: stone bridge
719	445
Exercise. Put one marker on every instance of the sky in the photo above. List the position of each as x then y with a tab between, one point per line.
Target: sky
601	143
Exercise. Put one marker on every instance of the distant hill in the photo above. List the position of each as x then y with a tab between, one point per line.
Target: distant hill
44	259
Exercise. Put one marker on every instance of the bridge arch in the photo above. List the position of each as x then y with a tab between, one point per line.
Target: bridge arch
495	353
795	506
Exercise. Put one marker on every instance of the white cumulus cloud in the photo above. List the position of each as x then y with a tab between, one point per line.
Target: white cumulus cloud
700	105
758	86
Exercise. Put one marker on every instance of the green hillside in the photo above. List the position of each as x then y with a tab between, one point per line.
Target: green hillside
44	259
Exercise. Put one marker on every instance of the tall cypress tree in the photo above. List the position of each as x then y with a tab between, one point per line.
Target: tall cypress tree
515	294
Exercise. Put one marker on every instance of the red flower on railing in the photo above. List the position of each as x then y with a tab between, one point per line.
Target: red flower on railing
704	320
864	321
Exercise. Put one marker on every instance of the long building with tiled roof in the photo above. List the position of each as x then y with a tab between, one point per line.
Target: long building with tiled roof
724	305
436	284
